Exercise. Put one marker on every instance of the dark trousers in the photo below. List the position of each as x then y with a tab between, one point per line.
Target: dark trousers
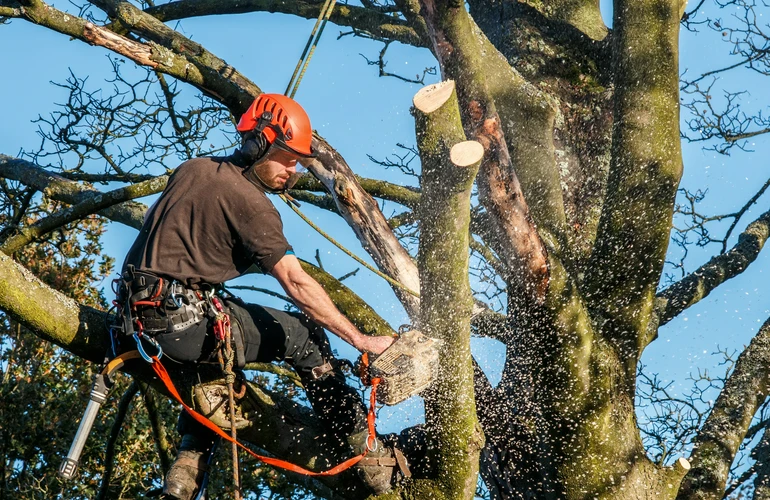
273	335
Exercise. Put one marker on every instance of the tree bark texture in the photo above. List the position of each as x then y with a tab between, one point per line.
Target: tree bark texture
446	304
579	130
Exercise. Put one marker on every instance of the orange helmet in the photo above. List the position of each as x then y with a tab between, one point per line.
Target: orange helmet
282	121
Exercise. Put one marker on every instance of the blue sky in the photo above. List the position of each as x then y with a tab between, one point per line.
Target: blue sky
360	114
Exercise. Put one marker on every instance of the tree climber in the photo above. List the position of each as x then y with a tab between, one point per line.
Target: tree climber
213	223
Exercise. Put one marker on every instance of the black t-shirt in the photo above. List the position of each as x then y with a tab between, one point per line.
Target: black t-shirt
209	226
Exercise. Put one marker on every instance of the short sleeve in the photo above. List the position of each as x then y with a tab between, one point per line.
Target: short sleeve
260	230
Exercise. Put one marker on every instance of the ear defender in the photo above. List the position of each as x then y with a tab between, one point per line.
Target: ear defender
253	147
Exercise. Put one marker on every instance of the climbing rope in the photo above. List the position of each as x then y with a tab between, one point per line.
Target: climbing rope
355	257
291	89
312	42
226	357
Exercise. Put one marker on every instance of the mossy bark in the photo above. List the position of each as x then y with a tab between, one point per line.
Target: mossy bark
645	170
446	302
514	237
725	429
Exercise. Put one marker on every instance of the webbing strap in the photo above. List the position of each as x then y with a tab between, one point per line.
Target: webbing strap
163	375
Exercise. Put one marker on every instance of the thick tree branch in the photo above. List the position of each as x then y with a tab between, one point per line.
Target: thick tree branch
699	284
527	117
645	169
377	23
516	239
167	52
351	305
449	166
403	195
216	77
85	208
584	15
725	429
363	215
51	315
61	189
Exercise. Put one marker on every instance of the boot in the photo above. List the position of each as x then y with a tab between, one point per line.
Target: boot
379	468
340	408
186	475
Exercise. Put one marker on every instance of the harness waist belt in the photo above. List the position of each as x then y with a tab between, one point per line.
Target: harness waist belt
162	305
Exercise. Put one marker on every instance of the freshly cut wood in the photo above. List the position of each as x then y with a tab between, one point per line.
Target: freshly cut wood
431	97
682	465
466	153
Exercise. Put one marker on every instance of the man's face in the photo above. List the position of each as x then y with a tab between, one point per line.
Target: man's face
276	168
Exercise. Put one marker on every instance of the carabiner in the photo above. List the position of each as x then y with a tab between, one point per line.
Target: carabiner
143	353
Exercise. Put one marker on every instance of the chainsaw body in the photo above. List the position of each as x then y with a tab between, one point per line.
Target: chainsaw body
405	368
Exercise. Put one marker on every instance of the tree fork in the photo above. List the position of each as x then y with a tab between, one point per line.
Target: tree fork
516	239
449	166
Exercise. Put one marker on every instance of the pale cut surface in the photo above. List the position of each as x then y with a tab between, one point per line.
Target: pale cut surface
429	98
466	153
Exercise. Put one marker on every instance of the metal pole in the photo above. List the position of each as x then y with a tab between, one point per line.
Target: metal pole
99	393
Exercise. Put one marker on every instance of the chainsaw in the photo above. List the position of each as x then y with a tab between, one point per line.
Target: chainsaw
405	369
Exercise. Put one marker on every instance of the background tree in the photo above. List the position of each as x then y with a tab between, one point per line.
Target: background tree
575	131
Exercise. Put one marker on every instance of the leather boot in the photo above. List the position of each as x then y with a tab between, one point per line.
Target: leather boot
186	474
380	467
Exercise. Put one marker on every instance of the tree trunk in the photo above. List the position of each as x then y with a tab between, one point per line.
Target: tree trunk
449	165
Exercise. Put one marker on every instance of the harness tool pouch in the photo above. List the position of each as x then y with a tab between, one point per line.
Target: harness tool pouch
406	368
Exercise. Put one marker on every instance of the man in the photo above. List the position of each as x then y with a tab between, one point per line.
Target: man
211	224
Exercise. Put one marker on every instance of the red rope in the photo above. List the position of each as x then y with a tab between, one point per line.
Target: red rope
161	372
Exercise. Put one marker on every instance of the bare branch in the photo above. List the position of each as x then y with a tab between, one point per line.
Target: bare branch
725	428
381	63
61	189
376	21
90	206
700	283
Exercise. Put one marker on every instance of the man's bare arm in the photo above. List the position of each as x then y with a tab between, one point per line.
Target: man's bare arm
311	298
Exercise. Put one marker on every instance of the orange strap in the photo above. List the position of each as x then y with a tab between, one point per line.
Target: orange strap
161	372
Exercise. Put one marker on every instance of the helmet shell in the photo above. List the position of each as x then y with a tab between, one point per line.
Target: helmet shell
289	124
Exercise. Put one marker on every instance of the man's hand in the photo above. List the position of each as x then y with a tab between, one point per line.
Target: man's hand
374	345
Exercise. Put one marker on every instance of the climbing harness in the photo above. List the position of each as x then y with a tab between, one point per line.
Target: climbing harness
222	330
371	441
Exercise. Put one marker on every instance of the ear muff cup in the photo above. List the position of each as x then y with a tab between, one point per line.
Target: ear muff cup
253	147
